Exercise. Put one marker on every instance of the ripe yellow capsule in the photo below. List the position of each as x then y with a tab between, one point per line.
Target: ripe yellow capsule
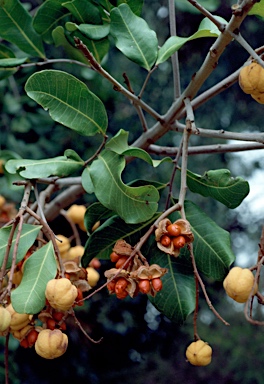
92	276
76	213
199	353
51	344
5	319
61	294
239	283
76	251
251	78
63	244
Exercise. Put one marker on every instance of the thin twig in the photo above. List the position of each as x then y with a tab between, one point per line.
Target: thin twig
174	57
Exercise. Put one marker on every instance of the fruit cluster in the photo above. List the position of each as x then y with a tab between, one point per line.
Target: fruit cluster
132	275
240	284
171	237
251	80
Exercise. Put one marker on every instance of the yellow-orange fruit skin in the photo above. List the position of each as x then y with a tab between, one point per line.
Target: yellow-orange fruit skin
199	353
239	283
61	294
251	78
51	344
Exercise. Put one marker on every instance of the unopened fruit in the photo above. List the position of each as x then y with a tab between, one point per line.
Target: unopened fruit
199	353
51	344
239	283
76	251
92	276
5	319
63	244
61	293
251	78
18	320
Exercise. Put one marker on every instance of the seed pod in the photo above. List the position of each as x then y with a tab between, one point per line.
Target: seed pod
18	320
239	283
165	241
5	319
92	276
122	260
32	337
251	78
74	253
199	353
76	213
61	294
63	244
114	257
121	285
51	344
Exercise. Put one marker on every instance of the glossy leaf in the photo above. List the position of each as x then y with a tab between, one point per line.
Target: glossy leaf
135	5
176	300
84	11
101	242
219	185
119	144
39	268
212	246
96	212
49	15
28	236
94	32
174	43
133	37
60	166
133	205
16	27
69	101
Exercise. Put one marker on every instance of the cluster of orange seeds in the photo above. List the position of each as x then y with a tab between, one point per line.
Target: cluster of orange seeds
132	275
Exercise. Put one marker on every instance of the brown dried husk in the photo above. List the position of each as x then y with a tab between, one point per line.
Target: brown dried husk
132	285
122	248
186	232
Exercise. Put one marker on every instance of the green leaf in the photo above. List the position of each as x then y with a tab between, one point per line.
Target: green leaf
84	11
39	268
119	144
101	241
99	48
96	212
133	205
69	101
6	53
16	27
49	15
206	29
212	248
133	37
219	185
176	300
28	236
60	166
135	5
12	62
94	32
60	40
258	9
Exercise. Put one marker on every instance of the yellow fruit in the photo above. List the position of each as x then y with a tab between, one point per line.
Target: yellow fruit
2	201
73	252
5	319
63	244
18	320
82	226
92	276
259	97
76	213
239	283
51	344
22	333
199	353
61	293
251	78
